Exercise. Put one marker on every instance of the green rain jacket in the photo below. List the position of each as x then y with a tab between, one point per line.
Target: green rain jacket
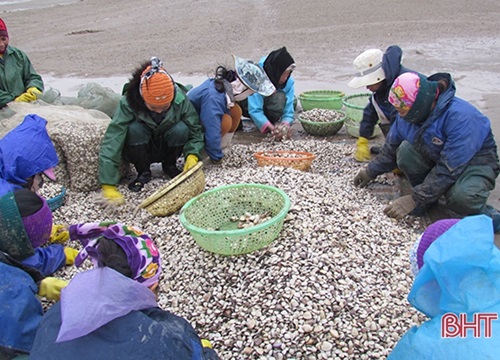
114	139
16	75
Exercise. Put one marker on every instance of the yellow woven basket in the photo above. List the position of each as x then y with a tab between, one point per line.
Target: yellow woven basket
178	191
301	160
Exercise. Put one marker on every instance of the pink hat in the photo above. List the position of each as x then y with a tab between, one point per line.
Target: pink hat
3	29
404	90
50	173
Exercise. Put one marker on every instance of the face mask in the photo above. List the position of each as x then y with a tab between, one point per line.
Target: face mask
240	91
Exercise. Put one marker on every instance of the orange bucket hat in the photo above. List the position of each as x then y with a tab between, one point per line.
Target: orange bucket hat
157	86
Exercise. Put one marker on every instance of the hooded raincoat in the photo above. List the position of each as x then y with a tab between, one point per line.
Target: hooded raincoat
132	108
454	136
460	275
16	75
25	151
391	64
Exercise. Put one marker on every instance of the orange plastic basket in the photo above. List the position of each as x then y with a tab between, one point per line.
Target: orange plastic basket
300	160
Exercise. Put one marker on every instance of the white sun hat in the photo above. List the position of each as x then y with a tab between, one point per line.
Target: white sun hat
253	76
368	67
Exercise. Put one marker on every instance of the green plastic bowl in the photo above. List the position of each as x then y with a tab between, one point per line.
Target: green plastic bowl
207	217
321	99
355	104
318	128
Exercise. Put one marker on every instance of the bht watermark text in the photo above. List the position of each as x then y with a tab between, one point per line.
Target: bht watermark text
453	325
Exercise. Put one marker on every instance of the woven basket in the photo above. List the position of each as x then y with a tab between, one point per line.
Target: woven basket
56	202
321	99
355	104
207	217
302	161
173	195
318	128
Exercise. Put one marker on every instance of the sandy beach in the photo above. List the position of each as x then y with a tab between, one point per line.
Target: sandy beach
73	42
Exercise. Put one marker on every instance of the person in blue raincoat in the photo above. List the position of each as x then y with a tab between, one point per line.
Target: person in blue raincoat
111	311
276	112
216	99
26	154
376	71
443	145
25	267
457	272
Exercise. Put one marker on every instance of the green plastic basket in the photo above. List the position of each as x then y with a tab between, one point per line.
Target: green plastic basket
355	104
352	128
207	217
318	128
321	99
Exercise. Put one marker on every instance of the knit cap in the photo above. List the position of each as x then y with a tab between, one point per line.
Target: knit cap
433	232
157	87
3	29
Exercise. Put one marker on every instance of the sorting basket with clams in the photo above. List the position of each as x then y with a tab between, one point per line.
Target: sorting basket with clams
321	99
210	217
322	122
173	195
299	160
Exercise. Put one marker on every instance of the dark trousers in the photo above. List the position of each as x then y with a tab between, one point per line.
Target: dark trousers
467	196
273	106
142	148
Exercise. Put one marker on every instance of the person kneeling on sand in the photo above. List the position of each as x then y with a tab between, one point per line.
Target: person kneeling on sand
18	79
442	144
275	113
215	100
376	71
154	122
111	311
26	266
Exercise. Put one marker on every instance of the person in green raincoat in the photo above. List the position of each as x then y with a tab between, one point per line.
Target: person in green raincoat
18	79
154	122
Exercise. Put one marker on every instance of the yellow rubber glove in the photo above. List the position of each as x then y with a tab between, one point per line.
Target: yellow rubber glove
112	195
70	255
362	151
206	343
59	234
34	91
191	161
51	287
25	97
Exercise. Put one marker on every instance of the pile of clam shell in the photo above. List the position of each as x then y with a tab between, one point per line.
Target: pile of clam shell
321	115
248	219
333	285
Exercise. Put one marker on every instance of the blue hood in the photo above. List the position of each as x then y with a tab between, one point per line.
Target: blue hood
25	151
